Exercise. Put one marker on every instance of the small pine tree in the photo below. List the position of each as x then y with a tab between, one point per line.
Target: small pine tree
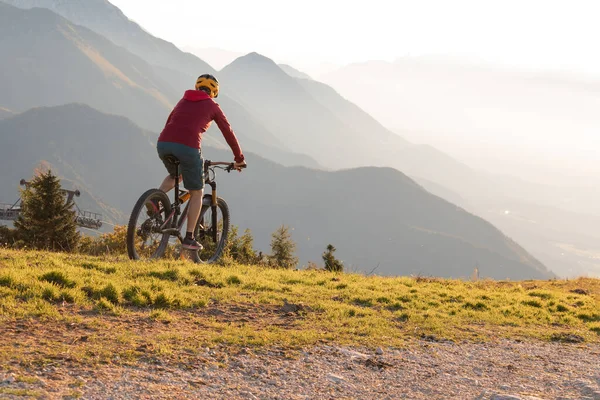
332	264
283	249
46	221
7	236
243	248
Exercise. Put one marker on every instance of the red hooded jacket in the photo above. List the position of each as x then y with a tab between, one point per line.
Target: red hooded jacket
192	116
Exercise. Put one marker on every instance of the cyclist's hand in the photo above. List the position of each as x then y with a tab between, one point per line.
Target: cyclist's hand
239	165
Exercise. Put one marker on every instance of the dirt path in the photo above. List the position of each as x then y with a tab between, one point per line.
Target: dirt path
422	371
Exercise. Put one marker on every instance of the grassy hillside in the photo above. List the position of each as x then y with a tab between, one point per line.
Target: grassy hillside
95	309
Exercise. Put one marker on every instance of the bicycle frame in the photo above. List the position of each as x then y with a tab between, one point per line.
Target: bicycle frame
171	224
172	219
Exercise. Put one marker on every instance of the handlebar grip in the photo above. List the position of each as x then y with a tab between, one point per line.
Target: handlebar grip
231	167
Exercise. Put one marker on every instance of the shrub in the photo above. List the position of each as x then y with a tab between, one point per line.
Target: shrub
332	264
113	243
283	249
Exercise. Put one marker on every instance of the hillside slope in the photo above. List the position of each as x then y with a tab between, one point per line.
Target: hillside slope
291	71
389	224
83	145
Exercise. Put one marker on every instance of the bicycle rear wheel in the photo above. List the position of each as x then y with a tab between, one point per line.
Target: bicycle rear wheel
145	240
212	231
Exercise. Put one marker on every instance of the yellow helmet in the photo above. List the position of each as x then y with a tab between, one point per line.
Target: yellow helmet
209	82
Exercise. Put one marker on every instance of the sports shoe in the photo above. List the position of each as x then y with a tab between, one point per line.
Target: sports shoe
191	244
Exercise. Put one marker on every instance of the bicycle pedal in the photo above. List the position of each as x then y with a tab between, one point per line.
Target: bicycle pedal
172	231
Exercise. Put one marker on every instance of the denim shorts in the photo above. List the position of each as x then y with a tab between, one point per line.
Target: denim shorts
190	163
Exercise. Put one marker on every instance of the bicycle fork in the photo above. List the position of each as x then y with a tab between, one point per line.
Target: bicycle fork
213	208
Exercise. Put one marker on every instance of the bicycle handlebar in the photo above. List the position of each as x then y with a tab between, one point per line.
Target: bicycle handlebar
211	163
230	165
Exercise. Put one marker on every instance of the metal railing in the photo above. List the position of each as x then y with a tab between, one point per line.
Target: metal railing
88	219
85	219
9	212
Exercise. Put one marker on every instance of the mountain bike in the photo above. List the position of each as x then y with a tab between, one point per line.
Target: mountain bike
155	225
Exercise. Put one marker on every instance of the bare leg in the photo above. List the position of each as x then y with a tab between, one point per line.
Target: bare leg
168	184
194	210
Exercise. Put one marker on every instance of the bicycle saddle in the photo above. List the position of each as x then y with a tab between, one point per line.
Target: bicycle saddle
172	159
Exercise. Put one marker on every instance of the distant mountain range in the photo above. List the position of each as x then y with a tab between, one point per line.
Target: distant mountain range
395	224
94	71
475	112
501	120
167	64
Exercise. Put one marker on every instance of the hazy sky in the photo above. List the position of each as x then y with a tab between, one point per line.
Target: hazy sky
548	34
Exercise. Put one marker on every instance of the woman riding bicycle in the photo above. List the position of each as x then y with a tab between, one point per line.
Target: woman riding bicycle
182	138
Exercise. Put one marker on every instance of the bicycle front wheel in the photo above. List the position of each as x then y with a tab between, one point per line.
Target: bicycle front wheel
212	230
145	239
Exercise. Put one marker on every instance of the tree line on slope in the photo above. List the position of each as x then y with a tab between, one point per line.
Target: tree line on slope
47	222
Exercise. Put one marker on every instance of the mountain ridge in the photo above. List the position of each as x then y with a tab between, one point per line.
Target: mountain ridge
89	63
288	104
106	19
293	72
